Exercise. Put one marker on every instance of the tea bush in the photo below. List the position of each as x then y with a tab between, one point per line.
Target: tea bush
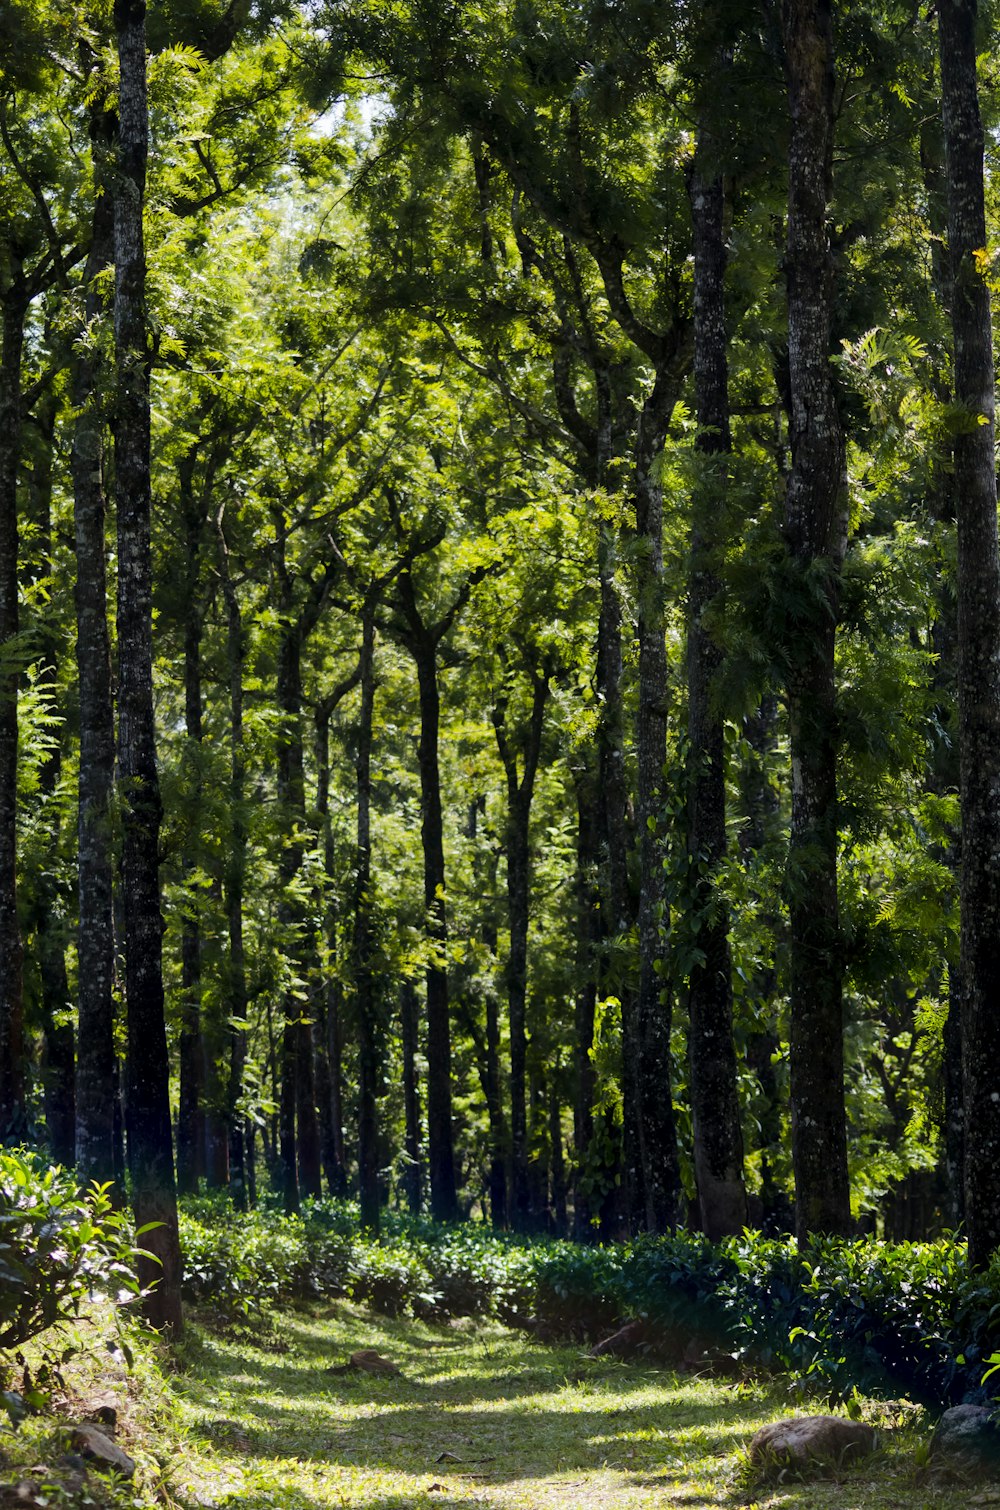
904	1319
56	1246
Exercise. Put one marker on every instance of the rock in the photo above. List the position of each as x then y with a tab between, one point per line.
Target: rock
97	1447
371	1362
968	1435
103	1411
367	1361
804	1440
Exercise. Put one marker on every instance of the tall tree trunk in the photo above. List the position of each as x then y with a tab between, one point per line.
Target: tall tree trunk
520	793
150	1152
329	1061
13	1082
191	1151
440	1145
557	1161
715	1110
614	841
291	796
300	1155
978	627
647	1045
96	1064
364	942
233	884
815	532
761	806
485	886
310	1147
587	940
413	1177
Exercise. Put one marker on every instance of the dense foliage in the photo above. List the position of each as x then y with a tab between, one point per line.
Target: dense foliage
470	736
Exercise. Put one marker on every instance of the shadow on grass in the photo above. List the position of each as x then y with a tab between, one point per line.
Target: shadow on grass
476	1405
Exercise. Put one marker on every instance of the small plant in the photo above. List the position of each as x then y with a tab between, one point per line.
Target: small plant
56	1247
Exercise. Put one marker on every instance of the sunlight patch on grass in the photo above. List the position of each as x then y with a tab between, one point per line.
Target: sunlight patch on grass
482	1418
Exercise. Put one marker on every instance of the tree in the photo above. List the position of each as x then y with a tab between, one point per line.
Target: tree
978	622
715	1111
150	1149
815	532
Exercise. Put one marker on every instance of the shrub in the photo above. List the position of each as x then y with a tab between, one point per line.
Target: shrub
56	1246
883	1318
242	1264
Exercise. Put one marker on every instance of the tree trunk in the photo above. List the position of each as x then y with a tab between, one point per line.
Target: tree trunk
310	1148
151	1164
300	1155
614	841
96	1064
539	1152
440	1148
329	1061
191	1130
815	533
363	942
587	940
978	627
13	1085
647	1045
413	1176
235	980
520	793
486	889
557	1161
715	1110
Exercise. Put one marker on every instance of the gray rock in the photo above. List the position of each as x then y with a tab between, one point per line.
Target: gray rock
969	1436
97	1447
802	1441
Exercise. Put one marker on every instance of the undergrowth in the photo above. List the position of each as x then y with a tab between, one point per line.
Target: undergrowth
884	1319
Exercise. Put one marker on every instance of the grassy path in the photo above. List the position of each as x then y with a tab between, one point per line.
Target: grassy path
482	1418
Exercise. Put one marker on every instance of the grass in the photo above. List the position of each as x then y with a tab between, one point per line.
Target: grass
251	1415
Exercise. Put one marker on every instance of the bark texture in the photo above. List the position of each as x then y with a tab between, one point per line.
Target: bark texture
150	1150
520	793
815	529
978	628
422	640
413	1171
96	1069
329	1084
191	1128
363	944
235	981
718	1136
647	1039
588	934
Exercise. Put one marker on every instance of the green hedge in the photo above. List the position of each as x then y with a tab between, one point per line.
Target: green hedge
905	1319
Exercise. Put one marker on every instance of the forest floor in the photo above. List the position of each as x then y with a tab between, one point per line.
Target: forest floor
252	1415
